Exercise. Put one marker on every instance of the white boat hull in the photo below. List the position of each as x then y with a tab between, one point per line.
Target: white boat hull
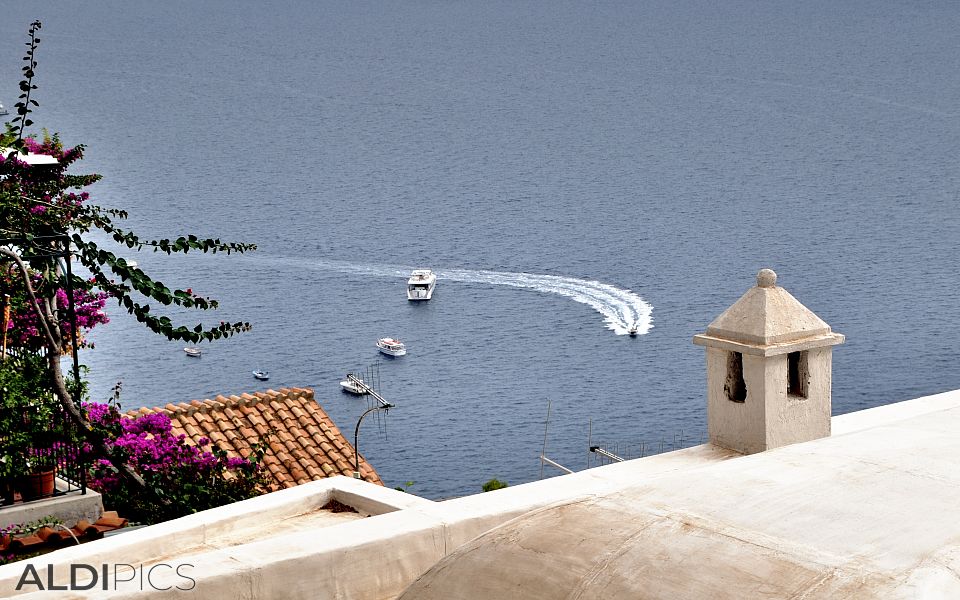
421	284
352	388
391	347
419	294
391	352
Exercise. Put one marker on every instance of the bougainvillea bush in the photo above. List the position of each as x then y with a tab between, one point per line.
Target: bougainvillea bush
52	230
190	478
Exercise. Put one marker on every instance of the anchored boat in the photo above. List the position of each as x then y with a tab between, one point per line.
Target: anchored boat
354	385
391	346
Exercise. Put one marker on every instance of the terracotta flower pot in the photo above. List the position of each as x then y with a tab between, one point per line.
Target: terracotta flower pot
36	485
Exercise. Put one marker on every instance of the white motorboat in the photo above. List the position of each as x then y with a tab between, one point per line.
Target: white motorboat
420	285
3	111
354	385
194	352
261	375
391	346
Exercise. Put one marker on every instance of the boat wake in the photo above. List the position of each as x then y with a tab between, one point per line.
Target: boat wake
621	309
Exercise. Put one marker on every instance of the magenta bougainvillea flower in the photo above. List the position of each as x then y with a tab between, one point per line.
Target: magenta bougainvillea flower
195	476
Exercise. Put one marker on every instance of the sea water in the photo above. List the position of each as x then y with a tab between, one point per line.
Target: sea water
568	169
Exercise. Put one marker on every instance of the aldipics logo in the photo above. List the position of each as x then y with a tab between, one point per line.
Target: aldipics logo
161	577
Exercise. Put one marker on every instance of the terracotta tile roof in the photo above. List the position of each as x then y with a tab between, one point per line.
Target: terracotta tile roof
46	538
304	444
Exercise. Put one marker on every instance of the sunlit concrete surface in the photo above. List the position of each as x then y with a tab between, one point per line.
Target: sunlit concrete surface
870	512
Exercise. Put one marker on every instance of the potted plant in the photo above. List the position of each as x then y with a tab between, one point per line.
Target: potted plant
28	428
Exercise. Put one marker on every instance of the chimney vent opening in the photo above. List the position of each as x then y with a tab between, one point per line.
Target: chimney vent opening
797	374
735	386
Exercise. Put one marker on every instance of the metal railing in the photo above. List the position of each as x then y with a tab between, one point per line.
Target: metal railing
53	463
604	454
55	447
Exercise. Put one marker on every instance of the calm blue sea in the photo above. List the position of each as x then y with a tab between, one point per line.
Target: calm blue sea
564	165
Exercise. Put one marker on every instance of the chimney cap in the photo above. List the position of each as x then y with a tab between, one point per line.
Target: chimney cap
766	278
768	320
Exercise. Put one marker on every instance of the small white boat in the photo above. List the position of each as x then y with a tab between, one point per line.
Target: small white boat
3	111
354	386
420	285
261	375
391	346
194	352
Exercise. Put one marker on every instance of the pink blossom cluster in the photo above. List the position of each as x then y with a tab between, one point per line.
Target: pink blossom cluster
52	147
14	161
31	182
88	306
150	446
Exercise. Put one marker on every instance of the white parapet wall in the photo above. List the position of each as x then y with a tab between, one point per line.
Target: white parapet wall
277	547
236	550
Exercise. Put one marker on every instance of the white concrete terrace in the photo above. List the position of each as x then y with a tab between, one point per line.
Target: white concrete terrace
275	546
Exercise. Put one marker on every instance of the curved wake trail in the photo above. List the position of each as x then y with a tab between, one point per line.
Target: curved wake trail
620	308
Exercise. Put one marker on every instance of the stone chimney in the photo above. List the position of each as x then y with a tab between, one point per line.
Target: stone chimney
769	362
